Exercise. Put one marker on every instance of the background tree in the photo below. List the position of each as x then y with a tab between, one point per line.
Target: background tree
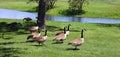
76	6
49	3
41	14
43	5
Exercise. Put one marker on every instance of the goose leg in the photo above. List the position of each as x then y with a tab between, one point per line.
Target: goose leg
39	43
75	47
44	44
62	41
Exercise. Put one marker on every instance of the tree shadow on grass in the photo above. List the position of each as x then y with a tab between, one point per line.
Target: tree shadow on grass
37	45
57	42
30	41
53	28
74	30
73	49
7	43
7	38
10	43
109	25
15	27
2	36
21	32
11	27
10	52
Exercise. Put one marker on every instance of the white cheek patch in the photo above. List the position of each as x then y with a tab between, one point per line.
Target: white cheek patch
65	36
82	40
67	32
39	34
36	27
45	37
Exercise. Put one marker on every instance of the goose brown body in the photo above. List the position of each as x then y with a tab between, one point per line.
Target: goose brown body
79	41
60	37
33	35
33	28
27	19
41	39
67	32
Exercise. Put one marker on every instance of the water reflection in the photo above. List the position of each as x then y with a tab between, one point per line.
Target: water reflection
88	20
14	14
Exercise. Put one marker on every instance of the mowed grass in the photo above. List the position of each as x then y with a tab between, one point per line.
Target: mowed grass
18	5
101	40
95	8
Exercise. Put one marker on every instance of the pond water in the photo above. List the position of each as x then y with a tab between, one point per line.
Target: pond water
14	14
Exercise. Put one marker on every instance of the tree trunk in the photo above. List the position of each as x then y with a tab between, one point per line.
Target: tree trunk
81	6
41	14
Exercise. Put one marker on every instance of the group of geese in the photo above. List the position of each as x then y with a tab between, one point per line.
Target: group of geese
59	37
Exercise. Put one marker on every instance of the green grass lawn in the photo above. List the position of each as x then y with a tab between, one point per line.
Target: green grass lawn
101	40
95	8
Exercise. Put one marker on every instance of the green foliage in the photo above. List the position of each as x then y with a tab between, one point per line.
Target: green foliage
49	3
76	6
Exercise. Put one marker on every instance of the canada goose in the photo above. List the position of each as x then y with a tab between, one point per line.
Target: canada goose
33	29
79	41
68	29
60	37
41	39
67	32
27	19
14	26
33	35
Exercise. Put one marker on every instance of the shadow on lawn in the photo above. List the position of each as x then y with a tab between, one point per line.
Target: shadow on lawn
14	27
57	42
109	25
72	49
37	45
7	43
10	52
11	27
10	43
54	28
7	38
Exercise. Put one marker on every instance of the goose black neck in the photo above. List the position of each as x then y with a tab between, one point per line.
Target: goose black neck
64	30
82	34
68	28
38	30
45	32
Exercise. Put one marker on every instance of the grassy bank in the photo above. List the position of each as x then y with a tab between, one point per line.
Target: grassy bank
18	5
101	40
95	8
99	9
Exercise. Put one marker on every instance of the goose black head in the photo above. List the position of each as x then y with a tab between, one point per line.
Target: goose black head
65	29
